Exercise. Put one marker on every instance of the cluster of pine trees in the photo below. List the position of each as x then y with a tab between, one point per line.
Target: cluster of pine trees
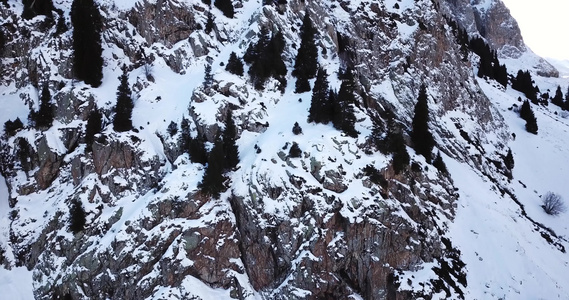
306	61
265	59
328	106
223	157
489	64
461	37
560	100
12	127
391	142
525	84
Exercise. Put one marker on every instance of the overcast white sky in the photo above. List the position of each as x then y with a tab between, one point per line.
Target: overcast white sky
544	25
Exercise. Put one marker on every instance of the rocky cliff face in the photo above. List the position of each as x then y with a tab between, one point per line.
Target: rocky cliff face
314	227
492	20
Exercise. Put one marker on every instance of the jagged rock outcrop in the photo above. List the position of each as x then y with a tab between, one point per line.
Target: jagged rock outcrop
492	20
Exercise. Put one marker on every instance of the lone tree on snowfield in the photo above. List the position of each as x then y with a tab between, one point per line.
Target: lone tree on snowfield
553	204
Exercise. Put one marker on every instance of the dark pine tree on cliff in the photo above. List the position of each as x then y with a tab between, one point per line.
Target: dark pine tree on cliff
306	62
77	217
87	50
524	83
320	107
234	65
230	150
226	7
422	138
45	115
94	126
265	57
343	116
123	109
212	183
34	8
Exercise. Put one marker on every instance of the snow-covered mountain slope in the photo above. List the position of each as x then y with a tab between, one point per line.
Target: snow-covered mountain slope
318	226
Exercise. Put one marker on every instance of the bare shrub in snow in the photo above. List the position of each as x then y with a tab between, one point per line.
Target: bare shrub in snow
553	204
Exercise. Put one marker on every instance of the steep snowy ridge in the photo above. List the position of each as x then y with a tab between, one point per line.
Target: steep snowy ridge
311	227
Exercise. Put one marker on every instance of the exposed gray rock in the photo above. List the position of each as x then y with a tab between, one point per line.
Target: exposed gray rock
50	162
334	181
172	21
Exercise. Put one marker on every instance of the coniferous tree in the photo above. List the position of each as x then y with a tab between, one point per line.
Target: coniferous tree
274	58
196	149
226	7
558	98
172	128
422	138
378	136
500	73
77	218
24	153
296	129
531	123
527	114
566	103
392	142
294	150
525	110
94	126
230	150
61	26
396	146
320	110
34	8
301	85
123	109
440	164
509	160
265	58
489	64
254	50
185	136
334	107
524	83
344	118
306	62
212	183
209	23
11	127
2	39
234	65
87	50
44	116
400	155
